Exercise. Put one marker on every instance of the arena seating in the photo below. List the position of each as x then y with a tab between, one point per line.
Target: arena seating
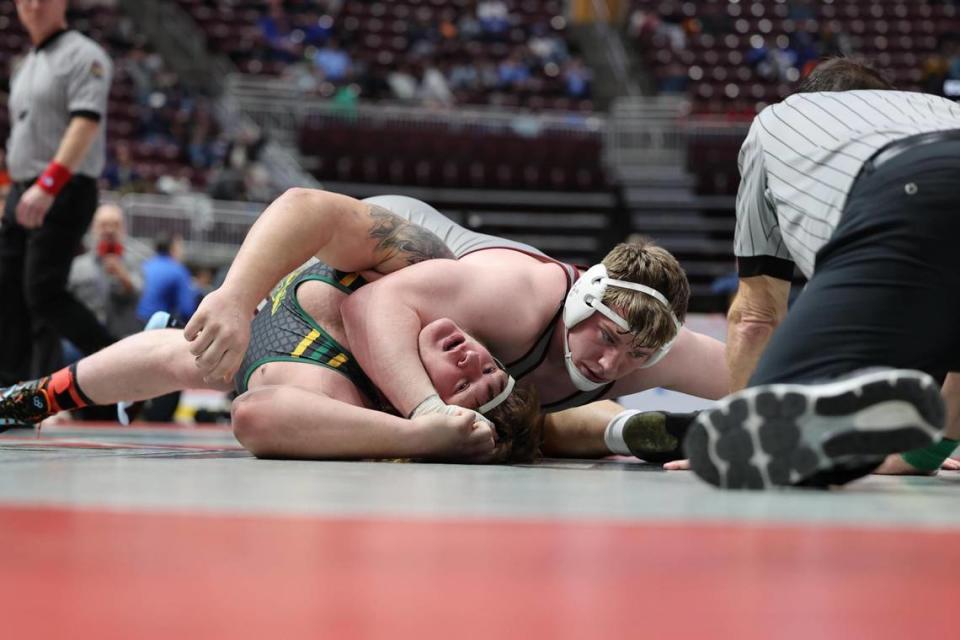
446	156
718	61
734	58
383	35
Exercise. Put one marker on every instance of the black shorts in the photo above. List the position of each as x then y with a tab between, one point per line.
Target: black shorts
886	287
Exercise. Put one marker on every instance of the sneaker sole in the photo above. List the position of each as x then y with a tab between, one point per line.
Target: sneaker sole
781	434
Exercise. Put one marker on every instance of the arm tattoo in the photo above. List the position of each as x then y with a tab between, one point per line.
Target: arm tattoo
399	238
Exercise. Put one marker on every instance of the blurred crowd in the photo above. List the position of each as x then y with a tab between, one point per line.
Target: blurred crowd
775	57
450	57
169	140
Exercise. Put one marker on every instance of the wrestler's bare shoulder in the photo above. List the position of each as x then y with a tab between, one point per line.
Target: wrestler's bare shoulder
524	271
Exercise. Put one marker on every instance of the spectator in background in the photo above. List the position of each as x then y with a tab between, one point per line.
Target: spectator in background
494	18
120	173
403	84
316	28
434	90
166	282
167	287
333	61
283	43
464	76
198	140
513	72
576	79
469	27
106	277
546	45
242	154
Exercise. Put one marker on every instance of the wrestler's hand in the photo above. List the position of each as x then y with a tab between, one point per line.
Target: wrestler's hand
455	436
433	404
219	332
33	207
895	465
677	465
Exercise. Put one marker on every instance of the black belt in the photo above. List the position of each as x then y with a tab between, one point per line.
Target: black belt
895	148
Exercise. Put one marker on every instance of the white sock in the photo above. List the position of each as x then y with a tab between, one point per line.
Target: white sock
613	435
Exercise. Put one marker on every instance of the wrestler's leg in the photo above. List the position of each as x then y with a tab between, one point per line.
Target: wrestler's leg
578	432
141	366
604	428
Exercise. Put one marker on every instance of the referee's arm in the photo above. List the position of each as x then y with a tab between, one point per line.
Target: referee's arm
76	141
763	266
757	309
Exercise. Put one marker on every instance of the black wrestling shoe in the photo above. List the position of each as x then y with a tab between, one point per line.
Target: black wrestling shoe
657	436
24	404
794	434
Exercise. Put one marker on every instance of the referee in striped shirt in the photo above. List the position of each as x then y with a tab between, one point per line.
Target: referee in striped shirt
58	108
857	185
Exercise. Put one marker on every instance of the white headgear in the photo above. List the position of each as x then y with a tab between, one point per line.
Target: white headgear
498	399
586	297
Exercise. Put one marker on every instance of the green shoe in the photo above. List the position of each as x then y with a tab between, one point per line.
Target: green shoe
657	436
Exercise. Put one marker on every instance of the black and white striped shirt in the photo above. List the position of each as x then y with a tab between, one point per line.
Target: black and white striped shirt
800	160
67	75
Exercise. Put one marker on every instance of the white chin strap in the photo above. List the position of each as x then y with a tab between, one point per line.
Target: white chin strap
585	298
580	381
498	399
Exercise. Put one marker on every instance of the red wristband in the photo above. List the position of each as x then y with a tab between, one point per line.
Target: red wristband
53	178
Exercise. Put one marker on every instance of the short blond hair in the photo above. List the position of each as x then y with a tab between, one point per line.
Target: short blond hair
643	262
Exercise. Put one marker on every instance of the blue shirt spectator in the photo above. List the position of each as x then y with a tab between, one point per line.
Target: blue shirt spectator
333	61
166	283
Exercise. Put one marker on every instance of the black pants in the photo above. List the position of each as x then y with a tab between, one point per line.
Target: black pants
886	287
34	266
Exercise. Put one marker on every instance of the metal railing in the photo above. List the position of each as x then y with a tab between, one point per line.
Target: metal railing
212	229
279	106
613	46
657	131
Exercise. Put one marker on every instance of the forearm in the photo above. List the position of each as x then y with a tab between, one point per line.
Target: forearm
578	433
746	341
385	346
76	141
696	365
294	227
288	422
757	310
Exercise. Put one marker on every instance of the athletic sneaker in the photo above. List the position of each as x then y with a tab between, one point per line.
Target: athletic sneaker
24	404
657	436
794	434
